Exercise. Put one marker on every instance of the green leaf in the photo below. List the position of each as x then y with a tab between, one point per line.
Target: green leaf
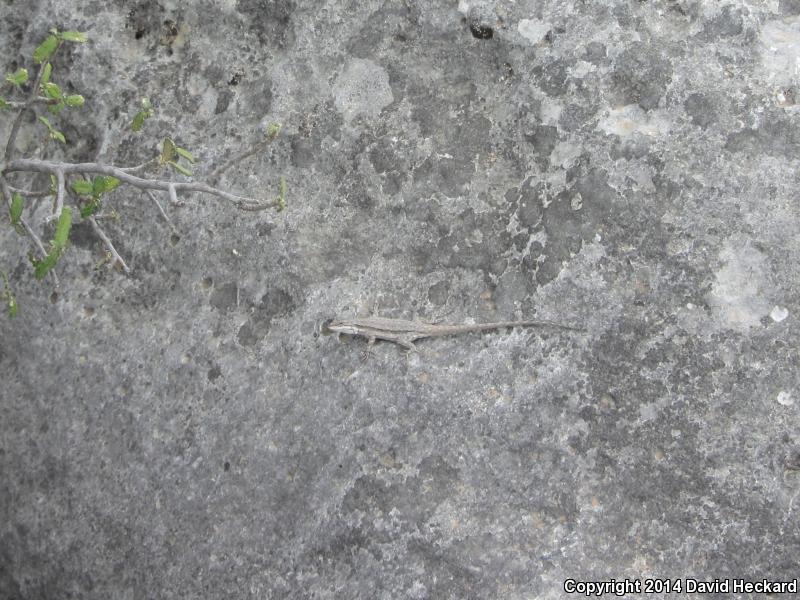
142	115
8	296
74	100
12	305
167	150
16	209
63	227
138	120
74	36
91	207
48	70
42	267
273	130
82	187
185	154
54	133
3	103
51	90
180	168
18	77
45	49
103	184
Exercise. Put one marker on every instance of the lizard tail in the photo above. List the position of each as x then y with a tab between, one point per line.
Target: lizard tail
454	329
536	323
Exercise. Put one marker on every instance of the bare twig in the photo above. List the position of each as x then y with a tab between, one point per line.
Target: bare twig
161	210
237	159
30	232
38	100
112	251
247	154
31	193
60	188
140	167
44	166
102	235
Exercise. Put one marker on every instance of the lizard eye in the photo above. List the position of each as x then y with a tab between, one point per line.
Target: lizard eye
324	330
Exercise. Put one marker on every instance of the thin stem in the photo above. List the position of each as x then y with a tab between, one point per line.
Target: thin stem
38	100
44	166
102	235
60	188
140	167
31	193
237	159
161	210
12	138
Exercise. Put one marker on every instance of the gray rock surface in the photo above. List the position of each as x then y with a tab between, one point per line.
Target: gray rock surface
184	432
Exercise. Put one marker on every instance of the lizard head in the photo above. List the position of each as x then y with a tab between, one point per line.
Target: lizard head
335	326
325	329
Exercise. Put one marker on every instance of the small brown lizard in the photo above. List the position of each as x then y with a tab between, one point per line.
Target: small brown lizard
405	333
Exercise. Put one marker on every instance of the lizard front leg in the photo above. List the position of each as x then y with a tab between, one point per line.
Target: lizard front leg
368	351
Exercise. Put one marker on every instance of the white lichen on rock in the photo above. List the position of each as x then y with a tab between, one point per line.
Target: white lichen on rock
362	89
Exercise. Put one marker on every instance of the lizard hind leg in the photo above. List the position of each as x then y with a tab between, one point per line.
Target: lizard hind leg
407	343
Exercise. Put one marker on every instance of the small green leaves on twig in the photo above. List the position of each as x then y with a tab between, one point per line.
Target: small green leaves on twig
100	185
57	246
7	297
18	77
145	113
90	181
281	195
170	154
53	92
54	133
97	187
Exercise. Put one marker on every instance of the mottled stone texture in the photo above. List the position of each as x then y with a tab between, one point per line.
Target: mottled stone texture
631	166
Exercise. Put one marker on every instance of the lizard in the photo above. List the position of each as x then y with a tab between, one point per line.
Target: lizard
405	333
